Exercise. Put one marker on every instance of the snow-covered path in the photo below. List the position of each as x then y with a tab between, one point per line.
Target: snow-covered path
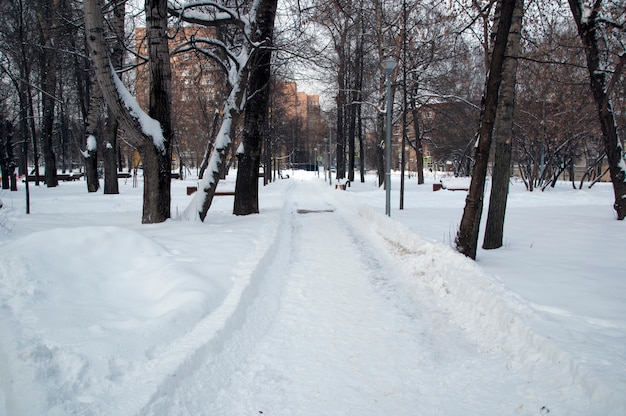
333	337
319	305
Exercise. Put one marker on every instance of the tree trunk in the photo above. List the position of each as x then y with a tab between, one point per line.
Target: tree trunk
502	131
152	137
158	195
255	121
7	164
340	125
380	148
49	27
467	236
419	149
111	185
91	142
588	28
209	146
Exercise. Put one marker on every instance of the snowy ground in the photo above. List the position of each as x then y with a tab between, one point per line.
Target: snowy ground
319	305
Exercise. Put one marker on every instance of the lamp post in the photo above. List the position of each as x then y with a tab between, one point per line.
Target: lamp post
388	65
330	144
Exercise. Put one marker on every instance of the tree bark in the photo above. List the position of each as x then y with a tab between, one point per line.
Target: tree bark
255	119
49	28
111	185
503	136
91	131
153	145
160	109
419	149
467	236
588	32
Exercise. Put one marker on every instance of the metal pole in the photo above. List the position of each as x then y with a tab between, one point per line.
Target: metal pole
388	150
388	65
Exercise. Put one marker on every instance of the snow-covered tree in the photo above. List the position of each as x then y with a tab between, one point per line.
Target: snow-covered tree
150	134
244	54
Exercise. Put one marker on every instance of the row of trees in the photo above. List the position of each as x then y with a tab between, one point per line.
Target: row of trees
69	64
541	116
560	110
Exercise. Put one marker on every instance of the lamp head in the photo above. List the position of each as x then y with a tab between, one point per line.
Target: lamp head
389	65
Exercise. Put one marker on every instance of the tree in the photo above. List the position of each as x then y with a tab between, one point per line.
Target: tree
600	35
503	132
467	236
255	120
7	162
19	47
111	124
48	16
91	144
244	56
151	133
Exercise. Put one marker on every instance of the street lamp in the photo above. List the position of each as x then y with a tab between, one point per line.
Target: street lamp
388	65
330	143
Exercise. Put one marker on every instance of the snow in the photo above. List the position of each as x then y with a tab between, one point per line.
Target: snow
92	144
318	305
149	126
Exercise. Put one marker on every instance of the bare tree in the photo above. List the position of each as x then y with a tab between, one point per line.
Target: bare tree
245	57
48	16
601	28
255	120
467	236
503	132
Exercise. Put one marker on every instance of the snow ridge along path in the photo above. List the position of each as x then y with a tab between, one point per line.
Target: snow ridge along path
311	337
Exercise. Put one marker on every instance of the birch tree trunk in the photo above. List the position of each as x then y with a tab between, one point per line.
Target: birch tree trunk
588	30
503	127
467	236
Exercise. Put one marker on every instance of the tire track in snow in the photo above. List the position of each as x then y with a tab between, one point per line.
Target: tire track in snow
208	369
172	364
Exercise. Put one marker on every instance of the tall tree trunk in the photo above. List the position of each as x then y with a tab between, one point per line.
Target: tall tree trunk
503	136
359	107
255	121
467	236
111	185
49	28
30	130
588	28
340	130
160	109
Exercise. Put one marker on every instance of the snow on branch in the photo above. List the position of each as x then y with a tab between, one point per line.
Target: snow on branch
218	14
149	126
